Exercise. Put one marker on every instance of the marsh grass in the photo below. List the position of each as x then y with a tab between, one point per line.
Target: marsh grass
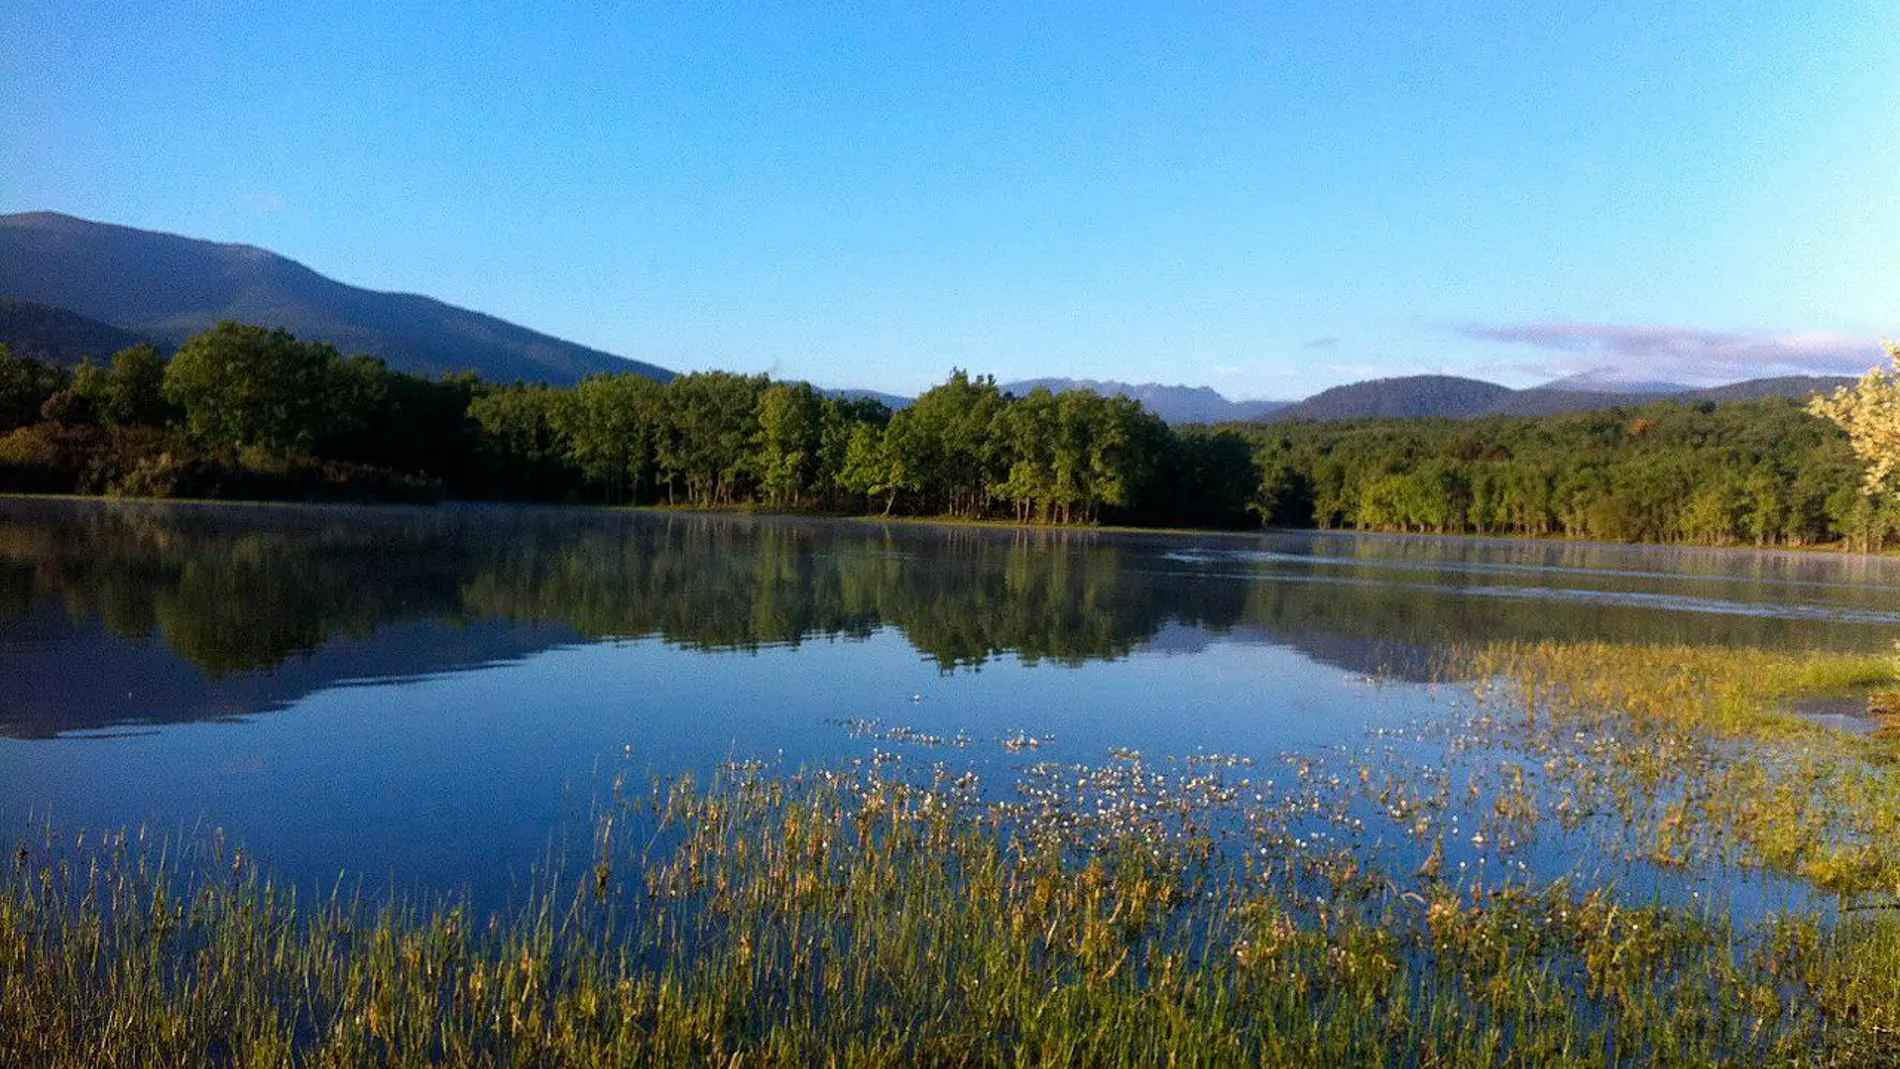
1333	909
1697	751
863	919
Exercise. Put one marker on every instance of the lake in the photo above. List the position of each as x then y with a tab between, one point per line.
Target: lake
440	699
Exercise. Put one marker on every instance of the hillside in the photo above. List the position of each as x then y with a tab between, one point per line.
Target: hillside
169	287
1458	398
58	336
1796	386
1410	395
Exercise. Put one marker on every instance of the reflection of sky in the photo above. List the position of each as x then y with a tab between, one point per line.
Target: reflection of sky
449	754
466	775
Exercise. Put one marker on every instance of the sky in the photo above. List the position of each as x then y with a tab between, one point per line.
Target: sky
1266	198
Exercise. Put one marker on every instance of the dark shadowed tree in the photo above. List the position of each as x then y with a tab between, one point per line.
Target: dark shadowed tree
25	387
134	393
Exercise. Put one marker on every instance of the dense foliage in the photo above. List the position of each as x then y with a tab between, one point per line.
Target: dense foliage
1749	472
245	412
242	411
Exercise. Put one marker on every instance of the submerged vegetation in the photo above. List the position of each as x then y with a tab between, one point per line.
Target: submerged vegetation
1599	855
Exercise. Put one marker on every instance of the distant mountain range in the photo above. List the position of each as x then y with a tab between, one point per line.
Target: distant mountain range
1445	396
1606	381
167	288
1174	404
1460	398
72	290
891	401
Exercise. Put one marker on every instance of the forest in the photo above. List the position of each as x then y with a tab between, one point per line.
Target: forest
245	412
1765	473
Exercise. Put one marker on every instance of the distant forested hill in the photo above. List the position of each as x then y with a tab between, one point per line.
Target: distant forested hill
168	288
1174	404
1459	398
1411	395
58	336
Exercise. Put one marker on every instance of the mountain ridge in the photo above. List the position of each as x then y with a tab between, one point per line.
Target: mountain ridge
72	289
169	286
1174	404
59	336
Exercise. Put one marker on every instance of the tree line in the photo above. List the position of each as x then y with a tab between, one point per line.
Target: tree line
241	411
244	411
1763	473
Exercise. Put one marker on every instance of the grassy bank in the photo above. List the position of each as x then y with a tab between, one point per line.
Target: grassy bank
1203	912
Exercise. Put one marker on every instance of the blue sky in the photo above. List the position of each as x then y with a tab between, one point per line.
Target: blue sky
1266	198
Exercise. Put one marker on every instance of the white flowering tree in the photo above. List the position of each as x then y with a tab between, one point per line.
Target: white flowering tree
1870	413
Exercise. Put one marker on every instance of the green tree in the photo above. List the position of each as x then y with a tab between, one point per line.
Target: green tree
709	425
1208	478
247	387
946	446
786	451
133	395
523	448
867	468
841	423
80	403
1029	427
611	424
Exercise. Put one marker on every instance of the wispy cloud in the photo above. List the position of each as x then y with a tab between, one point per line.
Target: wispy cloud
1683	354
261	202
1321	343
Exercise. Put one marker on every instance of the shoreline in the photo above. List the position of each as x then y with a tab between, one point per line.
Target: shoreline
953	522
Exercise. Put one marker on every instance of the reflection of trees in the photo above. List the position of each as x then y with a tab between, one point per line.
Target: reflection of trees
234	590
960	597
230	590
1399	591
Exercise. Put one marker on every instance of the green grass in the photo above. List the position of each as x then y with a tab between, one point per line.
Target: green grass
1696	750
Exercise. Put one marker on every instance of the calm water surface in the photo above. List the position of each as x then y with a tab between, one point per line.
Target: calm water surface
439	697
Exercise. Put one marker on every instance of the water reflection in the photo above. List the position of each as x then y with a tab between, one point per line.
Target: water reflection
111	614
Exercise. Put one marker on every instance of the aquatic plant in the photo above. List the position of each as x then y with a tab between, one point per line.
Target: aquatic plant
1369	906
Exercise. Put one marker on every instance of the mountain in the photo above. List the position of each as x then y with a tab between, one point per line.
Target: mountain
169	287
888	400
1605	380
1456	398
1410	395
57	336
1174	404
1796	386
